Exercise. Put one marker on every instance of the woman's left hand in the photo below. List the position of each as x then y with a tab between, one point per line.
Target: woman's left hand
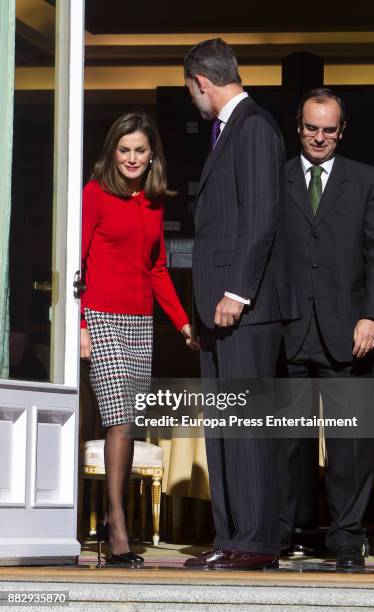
192	341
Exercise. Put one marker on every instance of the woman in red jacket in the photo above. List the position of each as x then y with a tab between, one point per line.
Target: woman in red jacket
124	260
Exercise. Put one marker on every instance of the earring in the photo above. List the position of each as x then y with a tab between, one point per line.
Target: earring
151	161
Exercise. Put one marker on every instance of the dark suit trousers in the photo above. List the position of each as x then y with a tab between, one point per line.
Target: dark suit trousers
349	461
242	471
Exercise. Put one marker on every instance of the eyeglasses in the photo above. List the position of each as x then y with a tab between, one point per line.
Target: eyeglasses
313	130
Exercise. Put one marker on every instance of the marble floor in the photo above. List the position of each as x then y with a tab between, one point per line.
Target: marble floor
162	584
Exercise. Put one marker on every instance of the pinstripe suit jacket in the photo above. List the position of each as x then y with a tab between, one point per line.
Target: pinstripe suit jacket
238	216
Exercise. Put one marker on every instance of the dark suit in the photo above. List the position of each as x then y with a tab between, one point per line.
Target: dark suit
239	248
331	258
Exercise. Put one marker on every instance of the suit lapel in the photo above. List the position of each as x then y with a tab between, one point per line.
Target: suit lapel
298	190
334	189
213	155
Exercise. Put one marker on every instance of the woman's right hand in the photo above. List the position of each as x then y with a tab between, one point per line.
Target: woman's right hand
85	344
192	340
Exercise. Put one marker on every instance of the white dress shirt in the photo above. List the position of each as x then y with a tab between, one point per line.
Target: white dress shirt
224	116
326	167
226	111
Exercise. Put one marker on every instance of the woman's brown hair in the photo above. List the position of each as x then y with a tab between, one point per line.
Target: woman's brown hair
106	171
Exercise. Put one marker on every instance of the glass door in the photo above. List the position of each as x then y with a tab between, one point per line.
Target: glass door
41	69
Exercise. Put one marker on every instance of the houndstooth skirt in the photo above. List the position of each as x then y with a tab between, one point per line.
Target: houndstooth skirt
121	361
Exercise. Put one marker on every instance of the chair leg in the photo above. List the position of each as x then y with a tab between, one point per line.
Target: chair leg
143	510
93	503
156	506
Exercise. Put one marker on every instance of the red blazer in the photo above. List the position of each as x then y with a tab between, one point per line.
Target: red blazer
124	256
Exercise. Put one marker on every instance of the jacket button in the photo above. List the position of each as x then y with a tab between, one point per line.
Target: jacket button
315	235
315	267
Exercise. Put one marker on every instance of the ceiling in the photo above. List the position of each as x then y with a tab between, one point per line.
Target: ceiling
128	34
121	17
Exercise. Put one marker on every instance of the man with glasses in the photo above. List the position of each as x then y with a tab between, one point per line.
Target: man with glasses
330	248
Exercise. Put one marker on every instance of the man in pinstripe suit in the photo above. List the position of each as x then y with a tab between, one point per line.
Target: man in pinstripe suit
241	295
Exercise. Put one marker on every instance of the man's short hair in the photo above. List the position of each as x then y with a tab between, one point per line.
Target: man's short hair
213	59
321	95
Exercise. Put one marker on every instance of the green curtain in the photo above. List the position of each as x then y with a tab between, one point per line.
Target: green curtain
7	45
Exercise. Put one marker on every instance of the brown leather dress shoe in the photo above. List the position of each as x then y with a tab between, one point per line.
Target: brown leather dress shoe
245	560
209	556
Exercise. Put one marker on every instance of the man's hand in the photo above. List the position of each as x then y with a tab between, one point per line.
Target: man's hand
85	344
192	340
363	337
228	312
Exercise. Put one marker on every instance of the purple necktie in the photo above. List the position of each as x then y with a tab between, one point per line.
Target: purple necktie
216	130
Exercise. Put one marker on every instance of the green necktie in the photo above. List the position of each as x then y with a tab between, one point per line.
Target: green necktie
315	187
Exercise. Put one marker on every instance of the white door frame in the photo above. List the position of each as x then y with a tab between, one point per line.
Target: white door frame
68	188
39	422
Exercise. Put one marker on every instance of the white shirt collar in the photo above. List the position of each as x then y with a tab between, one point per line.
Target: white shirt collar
327	165
226	111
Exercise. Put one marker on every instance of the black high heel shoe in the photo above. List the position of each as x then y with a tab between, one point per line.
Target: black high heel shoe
128	559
